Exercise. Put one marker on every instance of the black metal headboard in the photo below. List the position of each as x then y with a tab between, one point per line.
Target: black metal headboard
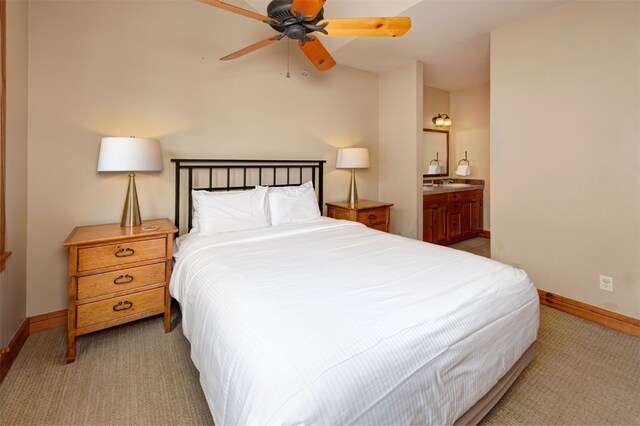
241	175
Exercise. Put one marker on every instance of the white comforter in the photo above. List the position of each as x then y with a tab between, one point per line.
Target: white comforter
329	322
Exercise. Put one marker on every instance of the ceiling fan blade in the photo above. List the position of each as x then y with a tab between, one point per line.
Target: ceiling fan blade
308	7
238	10
249	49
317	54
367	27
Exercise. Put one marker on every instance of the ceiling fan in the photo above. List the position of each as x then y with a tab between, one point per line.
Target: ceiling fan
297	19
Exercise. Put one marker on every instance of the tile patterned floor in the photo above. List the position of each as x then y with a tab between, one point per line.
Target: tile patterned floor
479	245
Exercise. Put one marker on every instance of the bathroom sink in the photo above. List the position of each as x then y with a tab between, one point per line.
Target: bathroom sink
456	185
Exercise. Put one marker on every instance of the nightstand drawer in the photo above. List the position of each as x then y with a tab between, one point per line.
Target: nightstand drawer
121	280
339	214
374	214
121	254
382	227
119	307
373	217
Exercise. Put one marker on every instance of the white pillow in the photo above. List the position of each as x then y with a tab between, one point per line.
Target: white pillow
293	204
196	196
217	212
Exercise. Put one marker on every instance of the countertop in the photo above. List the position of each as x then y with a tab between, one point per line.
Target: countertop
443	189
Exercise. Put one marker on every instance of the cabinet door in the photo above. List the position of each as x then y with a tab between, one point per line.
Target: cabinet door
454	225
428	232
440	224
472	214
476	215
434	224
467	217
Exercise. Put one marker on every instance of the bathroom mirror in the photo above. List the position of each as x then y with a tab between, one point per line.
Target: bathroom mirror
435	160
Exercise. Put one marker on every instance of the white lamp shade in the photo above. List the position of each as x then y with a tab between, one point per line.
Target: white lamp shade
353	158
119	154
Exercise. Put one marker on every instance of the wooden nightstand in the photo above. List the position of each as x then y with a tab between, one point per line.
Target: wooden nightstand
374	214
117	275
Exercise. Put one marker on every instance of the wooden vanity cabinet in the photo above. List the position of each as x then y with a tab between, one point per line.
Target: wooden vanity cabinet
452	217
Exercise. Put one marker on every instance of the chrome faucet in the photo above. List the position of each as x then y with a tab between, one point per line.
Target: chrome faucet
446	181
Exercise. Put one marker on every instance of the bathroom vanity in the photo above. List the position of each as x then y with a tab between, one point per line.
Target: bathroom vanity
452	211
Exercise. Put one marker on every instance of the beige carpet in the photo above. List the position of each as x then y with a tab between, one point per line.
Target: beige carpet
583	374
135	374
131	374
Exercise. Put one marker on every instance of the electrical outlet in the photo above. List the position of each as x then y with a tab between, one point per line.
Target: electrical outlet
606	283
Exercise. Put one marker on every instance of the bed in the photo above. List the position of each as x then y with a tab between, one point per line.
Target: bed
330	322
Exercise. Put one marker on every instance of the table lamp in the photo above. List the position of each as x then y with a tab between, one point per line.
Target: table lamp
353	158
121	154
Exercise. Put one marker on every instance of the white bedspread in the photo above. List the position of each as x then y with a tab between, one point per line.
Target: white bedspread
329	322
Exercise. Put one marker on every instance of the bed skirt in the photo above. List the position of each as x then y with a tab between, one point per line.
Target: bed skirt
487	402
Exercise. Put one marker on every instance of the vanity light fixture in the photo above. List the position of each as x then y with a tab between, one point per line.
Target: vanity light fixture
442	120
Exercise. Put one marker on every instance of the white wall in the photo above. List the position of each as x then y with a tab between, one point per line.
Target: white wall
436	101
13	279
470	132
565	151
110	68
400	147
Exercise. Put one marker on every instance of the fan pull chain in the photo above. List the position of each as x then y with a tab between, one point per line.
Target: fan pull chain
288	57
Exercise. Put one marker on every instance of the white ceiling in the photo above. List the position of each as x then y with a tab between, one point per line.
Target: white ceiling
451	37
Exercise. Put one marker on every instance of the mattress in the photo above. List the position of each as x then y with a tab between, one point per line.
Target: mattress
330	322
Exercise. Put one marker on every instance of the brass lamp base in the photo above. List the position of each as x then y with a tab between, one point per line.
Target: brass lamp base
131	212
353	189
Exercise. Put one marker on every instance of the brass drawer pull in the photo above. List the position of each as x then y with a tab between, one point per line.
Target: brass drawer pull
123	279
372	216
125	252
123	306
